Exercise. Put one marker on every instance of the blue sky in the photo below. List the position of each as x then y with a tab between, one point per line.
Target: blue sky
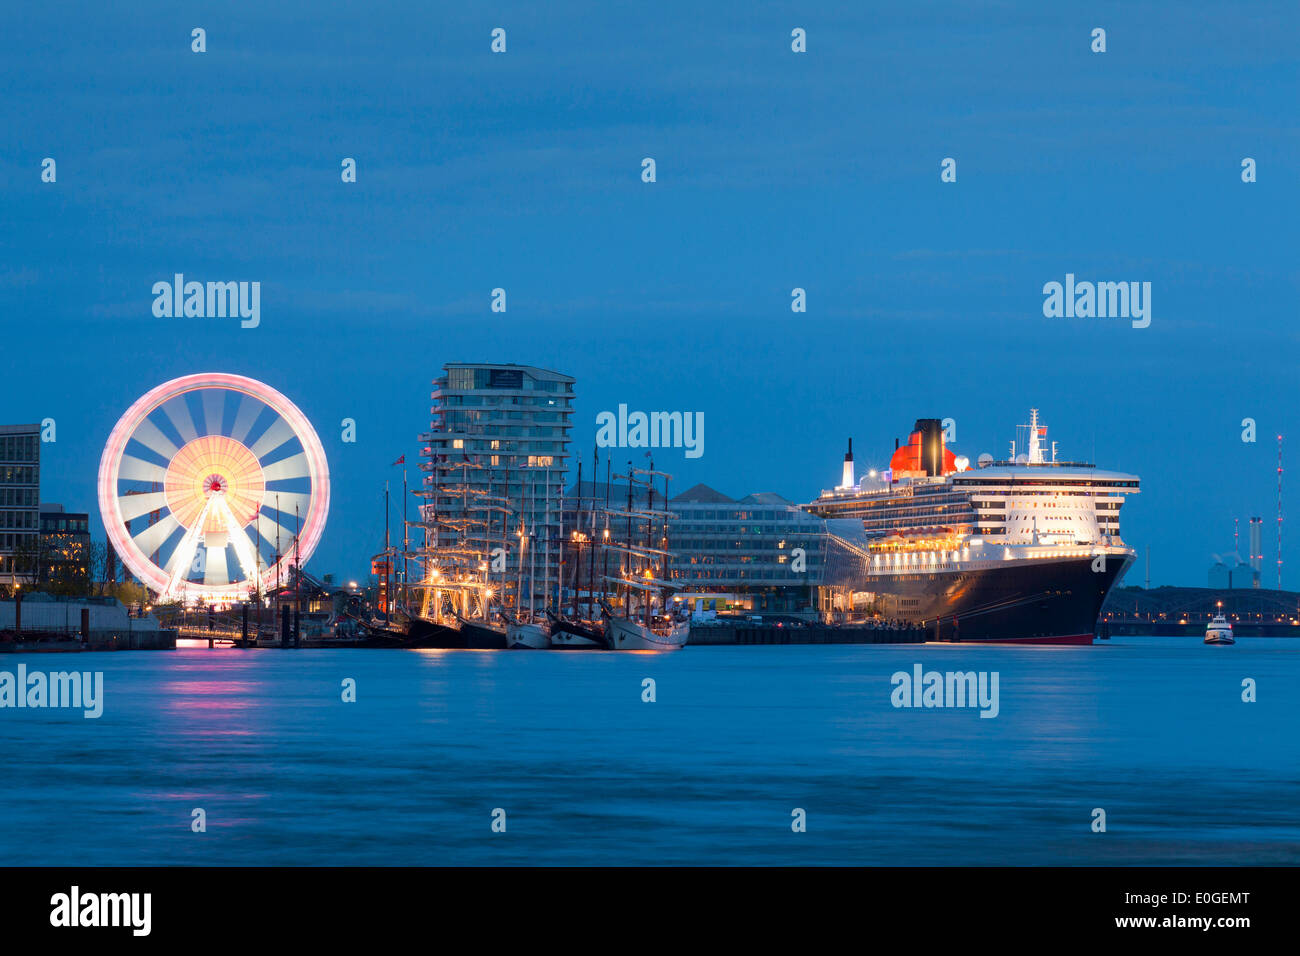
775	170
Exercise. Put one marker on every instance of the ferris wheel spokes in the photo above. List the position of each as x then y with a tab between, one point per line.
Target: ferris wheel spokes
153	537
153	438
139	505
238	539
179	415
182	558
276	435
295	466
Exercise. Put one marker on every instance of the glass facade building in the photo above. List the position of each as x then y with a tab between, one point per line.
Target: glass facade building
758	553
20	502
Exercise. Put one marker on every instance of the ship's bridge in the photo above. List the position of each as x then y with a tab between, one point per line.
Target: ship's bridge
1048	503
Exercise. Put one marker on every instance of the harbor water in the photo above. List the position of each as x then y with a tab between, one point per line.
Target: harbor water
564	749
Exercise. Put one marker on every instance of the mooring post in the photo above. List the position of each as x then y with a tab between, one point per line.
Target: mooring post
243	633
85	625
297	625
284	625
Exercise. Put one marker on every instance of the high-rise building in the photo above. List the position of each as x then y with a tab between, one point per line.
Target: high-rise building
495	461
20	502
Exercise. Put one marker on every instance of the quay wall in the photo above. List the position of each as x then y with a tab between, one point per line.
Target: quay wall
809	634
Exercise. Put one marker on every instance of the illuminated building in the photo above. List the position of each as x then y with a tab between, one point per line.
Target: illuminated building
20	494
65	544
760	553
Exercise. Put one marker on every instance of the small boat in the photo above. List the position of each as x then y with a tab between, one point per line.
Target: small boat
1219	631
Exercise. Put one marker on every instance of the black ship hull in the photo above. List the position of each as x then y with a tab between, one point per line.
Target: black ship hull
567	635
1026	602
427	634
481	637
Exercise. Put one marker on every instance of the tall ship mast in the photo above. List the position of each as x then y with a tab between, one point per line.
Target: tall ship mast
455	559
1021	550
638	623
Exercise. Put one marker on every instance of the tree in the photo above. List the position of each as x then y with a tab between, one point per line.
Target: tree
25	561
98	564
128	592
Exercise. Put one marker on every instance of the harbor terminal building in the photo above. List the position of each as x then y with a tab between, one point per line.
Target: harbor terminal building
759	554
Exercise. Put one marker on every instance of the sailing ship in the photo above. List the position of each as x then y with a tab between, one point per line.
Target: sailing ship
464	597
455	590
643	577
531	630
580	628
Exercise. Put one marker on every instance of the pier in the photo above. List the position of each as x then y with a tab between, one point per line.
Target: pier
812	633
41	622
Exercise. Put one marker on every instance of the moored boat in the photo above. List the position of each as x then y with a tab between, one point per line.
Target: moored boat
481	636
570	635
1023	550
628	635
430	634
521	635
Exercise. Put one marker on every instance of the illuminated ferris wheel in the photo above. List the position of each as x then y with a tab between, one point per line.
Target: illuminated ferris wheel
211	486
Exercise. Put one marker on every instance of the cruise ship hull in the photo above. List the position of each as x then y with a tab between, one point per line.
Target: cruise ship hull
1044	601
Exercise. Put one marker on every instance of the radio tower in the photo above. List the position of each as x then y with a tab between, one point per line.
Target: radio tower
1279	512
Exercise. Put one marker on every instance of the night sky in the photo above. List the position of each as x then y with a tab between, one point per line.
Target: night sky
775	170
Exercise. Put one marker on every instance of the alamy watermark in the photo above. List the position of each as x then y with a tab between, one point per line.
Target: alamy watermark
653	430
75	908
950	689
1102	300
83	690
211	300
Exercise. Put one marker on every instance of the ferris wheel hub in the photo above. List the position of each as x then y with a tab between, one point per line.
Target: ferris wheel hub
214	463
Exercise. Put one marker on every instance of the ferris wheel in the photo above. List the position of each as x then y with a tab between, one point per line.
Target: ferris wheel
211	486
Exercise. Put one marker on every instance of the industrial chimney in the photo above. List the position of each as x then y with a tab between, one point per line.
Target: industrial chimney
931	430
1256	549
848	480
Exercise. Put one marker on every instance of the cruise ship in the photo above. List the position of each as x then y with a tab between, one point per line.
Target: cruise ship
1022	551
